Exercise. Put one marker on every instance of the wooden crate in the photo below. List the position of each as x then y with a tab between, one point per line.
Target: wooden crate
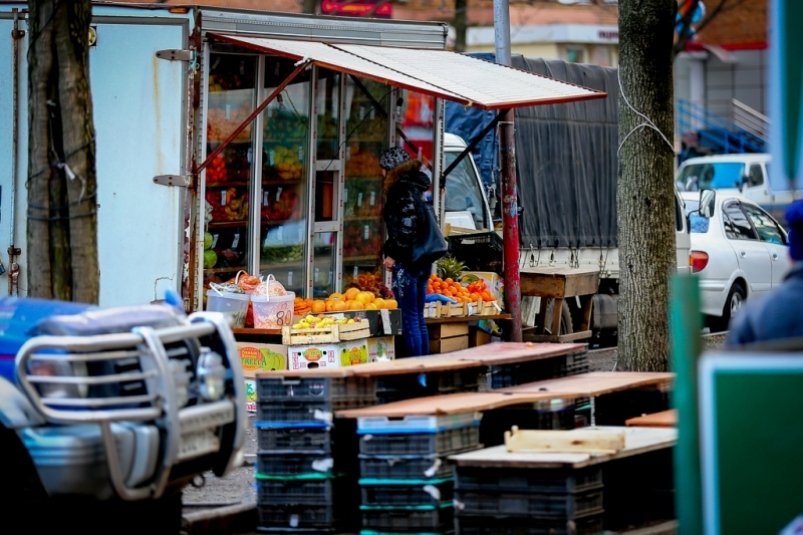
445	337
326	335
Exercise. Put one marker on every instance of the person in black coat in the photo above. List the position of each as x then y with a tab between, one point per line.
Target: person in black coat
775	316
401	214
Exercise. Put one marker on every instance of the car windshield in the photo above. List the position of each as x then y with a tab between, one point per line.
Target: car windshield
715	175
697	223
463	191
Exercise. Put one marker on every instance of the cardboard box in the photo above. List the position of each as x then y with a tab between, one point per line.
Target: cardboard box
261	357
302	357
381	347
250	394
445	345
447	330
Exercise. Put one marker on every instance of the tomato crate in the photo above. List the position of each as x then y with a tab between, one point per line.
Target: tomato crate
326	335
407	519
442	442
406	492
315	437
344	392
567	506
501	480
505	525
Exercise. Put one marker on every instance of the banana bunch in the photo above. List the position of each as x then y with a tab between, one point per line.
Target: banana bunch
321	321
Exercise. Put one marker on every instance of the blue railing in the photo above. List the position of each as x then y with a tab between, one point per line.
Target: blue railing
714	132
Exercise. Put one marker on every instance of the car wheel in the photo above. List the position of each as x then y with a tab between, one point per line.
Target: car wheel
735	301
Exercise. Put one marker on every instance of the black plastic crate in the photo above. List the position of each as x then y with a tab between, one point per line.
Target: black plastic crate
340	392
482	251
528	504
442	442
387	492
313	490
307	439
503	480
416	518
295	411
287	464
504	375
501	525
404	466
296	516
406	386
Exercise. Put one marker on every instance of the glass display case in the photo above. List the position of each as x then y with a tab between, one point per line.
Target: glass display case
232	94
298	192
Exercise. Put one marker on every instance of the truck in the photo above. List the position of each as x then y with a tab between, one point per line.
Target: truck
106	414
567	172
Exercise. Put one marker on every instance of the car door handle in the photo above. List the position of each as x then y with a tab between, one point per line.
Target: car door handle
742	253
775	256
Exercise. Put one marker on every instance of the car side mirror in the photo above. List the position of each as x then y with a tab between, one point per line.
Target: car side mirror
708	199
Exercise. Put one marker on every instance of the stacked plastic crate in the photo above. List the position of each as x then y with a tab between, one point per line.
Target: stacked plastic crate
406	482
516	501
306	459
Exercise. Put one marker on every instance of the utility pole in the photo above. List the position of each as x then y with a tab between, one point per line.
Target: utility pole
507	158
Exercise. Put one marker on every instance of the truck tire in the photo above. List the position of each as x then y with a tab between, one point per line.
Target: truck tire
566	326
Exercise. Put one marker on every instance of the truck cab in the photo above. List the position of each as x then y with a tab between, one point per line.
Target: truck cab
465	199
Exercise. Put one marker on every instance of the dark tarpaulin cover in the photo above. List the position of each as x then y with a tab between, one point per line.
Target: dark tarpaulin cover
565	157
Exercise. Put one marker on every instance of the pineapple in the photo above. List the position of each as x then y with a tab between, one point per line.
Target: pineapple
450	267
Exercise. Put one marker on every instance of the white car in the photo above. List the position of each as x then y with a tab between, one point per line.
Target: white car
739	252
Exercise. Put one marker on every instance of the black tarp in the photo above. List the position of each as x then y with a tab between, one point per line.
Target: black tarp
565	157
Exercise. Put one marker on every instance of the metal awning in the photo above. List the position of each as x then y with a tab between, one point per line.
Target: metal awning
440	73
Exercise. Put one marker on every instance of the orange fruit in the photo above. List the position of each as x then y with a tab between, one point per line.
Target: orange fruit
365	297
371	306
335	295
354	305
379	302
339	305
351	293
318	306
391	304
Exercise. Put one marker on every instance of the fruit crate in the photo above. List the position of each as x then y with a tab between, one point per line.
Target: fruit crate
302	489
502	480
504	525
404	466
432	442
351	392
407	519
299	412
479	251
406	492
315	437
528	504
288	464
330	334
296	516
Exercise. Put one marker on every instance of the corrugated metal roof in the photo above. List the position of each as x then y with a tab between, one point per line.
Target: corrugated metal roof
449	75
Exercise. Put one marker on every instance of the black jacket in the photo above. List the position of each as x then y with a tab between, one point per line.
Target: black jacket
401	212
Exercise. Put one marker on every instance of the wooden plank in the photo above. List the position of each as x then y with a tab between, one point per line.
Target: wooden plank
475	318
498	353
667	418
559	282
596	383
459	403
571	337
570	441
638	440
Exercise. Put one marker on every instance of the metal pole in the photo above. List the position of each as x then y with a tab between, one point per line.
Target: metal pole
510	208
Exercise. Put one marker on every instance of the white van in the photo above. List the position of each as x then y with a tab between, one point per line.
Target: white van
745	173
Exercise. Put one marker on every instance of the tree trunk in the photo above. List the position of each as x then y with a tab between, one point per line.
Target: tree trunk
460	24
62	187
645	195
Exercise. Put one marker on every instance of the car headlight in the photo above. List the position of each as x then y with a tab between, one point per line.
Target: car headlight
211	375
55	377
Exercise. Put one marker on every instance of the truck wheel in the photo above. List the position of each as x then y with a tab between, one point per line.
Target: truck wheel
566	326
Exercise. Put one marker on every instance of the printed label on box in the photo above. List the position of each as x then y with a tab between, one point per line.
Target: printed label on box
381	348
262	357
301	357
250	395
